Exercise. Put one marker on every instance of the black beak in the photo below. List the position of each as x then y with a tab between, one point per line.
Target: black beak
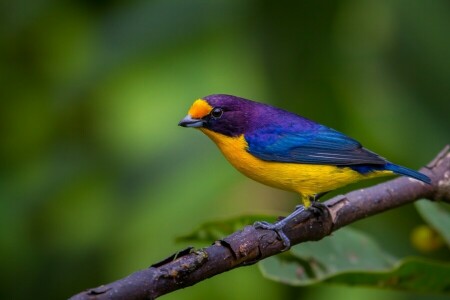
188	121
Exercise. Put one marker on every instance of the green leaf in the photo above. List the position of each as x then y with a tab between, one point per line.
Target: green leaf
214	230
350	257
411	274
347	250
437	215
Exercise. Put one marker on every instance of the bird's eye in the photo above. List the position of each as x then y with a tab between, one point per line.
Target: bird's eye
216	113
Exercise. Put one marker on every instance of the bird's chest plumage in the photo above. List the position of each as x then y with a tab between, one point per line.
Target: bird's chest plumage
306	179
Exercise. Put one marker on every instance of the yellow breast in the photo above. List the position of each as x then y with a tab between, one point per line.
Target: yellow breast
305	179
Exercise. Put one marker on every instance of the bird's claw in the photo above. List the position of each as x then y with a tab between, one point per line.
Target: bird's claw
263	225
317	208
278	228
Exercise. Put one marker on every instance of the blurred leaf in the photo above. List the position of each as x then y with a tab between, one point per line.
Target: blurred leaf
352	258
437	215
412	274
214	230
426	239
347	250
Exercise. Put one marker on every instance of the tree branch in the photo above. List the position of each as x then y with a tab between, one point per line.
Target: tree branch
251	245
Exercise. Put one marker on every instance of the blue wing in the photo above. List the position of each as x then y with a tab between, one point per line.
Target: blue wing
320	145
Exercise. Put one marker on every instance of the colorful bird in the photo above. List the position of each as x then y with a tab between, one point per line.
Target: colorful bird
286	151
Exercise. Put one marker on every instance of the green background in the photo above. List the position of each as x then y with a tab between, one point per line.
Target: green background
96	178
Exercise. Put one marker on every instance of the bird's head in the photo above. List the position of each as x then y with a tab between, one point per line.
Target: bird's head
225	114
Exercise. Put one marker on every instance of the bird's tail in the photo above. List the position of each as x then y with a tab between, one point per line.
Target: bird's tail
408	172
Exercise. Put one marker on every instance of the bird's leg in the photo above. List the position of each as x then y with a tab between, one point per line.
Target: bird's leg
309	203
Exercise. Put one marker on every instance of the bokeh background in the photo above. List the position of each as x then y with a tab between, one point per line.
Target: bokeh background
97	179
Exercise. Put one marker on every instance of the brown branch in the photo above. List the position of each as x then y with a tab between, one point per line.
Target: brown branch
251	245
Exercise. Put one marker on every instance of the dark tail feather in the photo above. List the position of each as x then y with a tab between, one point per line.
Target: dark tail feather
408	172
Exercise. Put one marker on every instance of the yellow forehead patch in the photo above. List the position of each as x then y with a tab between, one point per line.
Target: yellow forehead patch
199	109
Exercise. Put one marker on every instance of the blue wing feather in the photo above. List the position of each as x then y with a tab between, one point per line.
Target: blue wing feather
320	145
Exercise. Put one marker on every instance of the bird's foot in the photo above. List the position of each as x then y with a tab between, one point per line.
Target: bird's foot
279	225
278	228
316	208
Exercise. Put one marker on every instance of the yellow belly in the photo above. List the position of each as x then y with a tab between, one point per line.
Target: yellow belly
305	179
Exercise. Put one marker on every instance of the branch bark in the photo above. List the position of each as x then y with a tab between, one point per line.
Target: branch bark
250	245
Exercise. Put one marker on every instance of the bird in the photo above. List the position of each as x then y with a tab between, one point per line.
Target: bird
287	151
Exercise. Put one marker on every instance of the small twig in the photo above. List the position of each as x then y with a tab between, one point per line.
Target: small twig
250	245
